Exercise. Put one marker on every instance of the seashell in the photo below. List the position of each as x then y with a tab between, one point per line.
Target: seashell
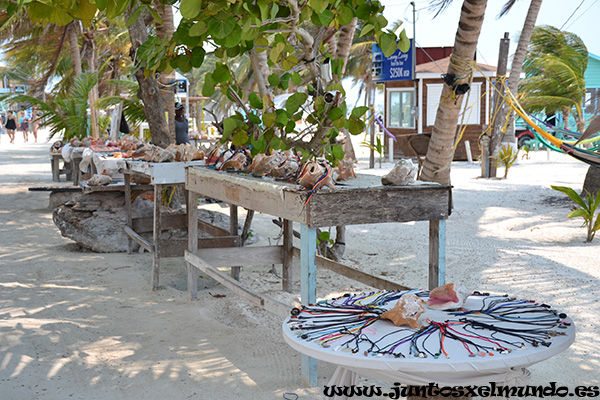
256	160
288	168
214	154
407	311
99	180
226	155
236	162
403	173
315	176
345	170
446	297
267	164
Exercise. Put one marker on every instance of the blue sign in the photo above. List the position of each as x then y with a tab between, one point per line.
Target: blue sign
397	67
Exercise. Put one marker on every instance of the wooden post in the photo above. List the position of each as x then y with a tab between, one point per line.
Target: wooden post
156	235
127	179
233	230
192	272
308	290
54	161
437	253
288	256
496	136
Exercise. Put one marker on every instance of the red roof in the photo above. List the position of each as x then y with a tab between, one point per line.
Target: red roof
441	66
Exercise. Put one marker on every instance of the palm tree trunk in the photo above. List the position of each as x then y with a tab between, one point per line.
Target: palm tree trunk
73	34
436	167
90	55
517	64
165	31
149	91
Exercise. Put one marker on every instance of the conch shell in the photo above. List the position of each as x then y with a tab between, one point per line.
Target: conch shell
315	176
266	164
236	162
151	153
288	168
345	170
186	152
447	297
407	311
403	173
214	155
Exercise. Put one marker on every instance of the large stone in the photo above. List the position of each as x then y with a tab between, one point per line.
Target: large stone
96	220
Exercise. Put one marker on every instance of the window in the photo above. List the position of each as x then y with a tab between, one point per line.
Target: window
434	93
400	105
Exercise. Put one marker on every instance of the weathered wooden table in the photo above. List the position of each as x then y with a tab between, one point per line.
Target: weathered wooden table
163	175
57	171
344	206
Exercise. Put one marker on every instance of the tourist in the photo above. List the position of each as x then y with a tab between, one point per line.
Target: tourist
181	125
11	125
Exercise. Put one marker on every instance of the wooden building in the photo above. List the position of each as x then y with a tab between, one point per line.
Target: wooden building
404	118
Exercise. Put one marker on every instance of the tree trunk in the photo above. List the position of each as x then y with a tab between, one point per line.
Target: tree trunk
436	167
149	91
517	65
167	82
592	181
90	55
496	129
73	35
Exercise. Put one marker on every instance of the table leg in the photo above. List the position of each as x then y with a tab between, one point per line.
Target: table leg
437	253
192	272
156	236
54	161
308	289
127	179
287	272
76	171
233	230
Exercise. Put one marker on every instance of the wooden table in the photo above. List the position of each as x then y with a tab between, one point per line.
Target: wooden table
344	206
55	159
163	175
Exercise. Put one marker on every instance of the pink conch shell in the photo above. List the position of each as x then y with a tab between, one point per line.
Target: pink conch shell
407	311
446	297
403	173
311	176
288	168
267	164
255	161
213	155
236	162
345	170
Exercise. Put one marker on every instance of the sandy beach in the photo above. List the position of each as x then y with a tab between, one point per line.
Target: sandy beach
81	325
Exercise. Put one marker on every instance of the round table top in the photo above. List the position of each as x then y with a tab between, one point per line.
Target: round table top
543	332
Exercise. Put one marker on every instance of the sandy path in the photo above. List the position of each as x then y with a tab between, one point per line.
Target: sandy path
84	325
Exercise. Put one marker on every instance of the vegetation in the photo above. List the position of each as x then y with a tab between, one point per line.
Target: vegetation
585	208
506	158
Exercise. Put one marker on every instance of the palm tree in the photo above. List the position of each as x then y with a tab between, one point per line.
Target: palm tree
436	167
555	65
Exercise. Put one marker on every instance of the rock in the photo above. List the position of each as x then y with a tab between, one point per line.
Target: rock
96	220
403	173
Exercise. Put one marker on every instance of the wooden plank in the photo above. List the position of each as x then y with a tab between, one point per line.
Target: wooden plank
140	240
437	253
233	230
156	236
355	274
168	222
246	256
192	272
224	242
127	199
270	305
287	273
212	229
308	268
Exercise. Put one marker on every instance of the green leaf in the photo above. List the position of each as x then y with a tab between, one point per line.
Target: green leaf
273	80
318	5
296	78
368	28
356	126
229	125
264	9
322	19
337	152
209	86
190	8
255	119
221	28
281	117
198	29
198	54
268	119
255	101
133	17
345	15
240	138
571	193
578	212
295	101
235	37
276	52
221	73
358	112
258	146
403	42
387	43
335	113
339	123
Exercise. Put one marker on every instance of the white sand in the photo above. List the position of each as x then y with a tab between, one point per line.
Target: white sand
85	325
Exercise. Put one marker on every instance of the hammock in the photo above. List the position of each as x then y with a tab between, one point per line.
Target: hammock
588	157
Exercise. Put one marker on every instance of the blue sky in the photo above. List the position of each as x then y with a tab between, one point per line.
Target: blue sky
577	16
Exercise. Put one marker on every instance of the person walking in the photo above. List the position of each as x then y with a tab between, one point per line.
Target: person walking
181	125
11	125
35	123
24	126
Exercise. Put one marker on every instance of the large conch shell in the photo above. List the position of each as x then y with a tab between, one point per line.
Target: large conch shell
403	173
315	176
345	170
447	297
151	153
186	152
235	162
214	155
407	311
288	168
266	164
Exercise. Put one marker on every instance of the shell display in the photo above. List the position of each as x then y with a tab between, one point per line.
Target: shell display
407	311
403	173
214	154
447	297
267	164
288	168
151	153
315	176
185	152
345	170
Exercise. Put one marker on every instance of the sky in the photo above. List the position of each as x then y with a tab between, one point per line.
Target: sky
577	16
